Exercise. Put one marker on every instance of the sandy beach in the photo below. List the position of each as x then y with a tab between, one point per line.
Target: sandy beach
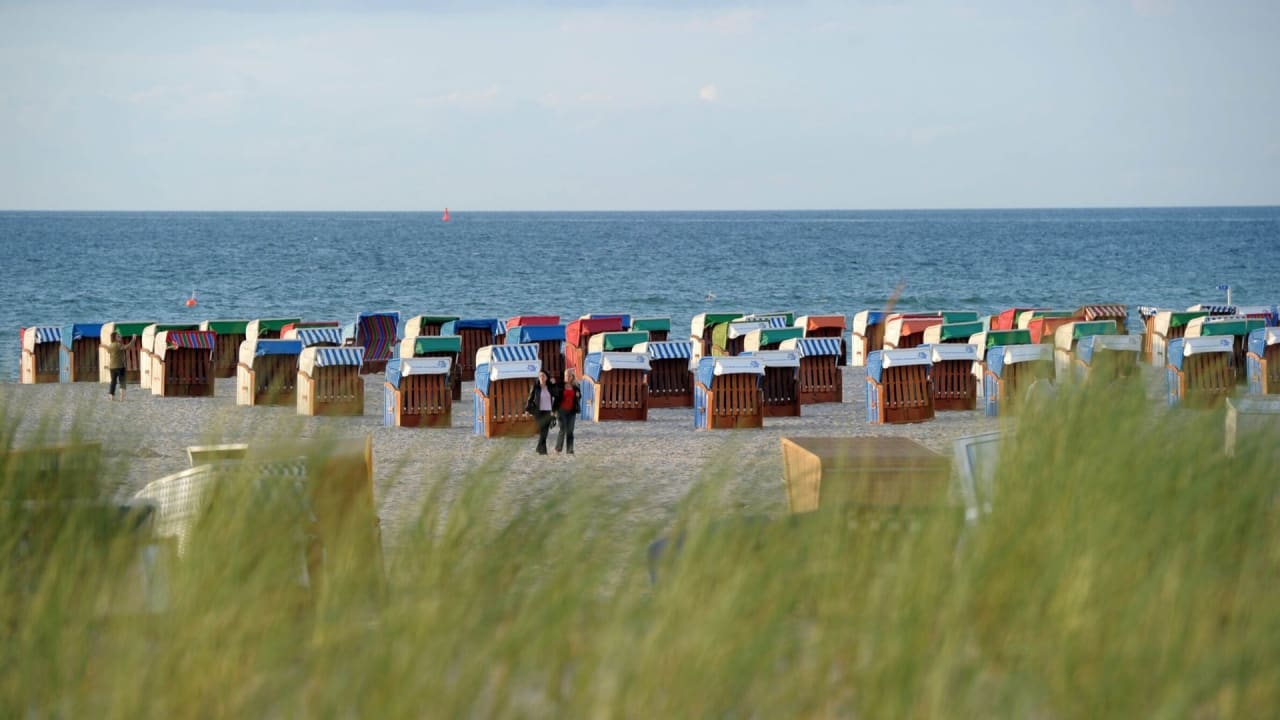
652	464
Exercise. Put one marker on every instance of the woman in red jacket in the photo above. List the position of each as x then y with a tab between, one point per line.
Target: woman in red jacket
567	406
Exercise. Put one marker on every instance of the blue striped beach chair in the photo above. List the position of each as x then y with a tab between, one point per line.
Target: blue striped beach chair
416	393
615	386
821	380
329	381
267	372
40	354
504	376
670	379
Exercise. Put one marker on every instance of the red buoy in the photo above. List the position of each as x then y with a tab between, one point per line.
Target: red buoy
191	301
446	215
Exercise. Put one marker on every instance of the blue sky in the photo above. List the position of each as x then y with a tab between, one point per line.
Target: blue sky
494	105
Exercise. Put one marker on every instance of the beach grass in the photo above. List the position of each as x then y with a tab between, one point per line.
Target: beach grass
1127	569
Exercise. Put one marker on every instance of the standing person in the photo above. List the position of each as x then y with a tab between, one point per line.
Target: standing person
541	404
115	357
567	410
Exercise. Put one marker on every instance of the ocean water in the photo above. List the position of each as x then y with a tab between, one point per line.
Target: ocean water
63	267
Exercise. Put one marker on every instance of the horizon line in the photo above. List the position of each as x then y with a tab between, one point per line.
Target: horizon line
992	208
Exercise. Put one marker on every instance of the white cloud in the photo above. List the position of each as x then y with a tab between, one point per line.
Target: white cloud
708	93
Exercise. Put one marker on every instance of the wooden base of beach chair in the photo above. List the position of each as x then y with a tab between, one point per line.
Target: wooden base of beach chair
455	374
670	383
430	329
271	381
901	396
1205	380
657	335
337	390
226	354
781	392
368	367
503	409
1001	399
735	402
421	401
1109	366
820	380
620	395
83	362
184	372
954	387
41	366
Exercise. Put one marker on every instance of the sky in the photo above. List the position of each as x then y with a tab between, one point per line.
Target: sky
482	105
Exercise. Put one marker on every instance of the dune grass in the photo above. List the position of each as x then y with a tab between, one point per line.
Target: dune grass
1128	570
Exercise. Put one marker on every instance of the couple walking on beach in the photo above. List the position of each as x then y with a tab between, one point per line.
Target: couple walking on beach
553	402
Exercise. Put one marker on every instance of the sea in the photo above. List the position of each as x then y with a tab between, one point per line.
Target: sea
65	267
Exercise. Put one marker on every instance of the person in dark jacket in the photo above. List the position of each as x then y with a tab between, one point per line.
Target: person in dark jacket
567	409
542	404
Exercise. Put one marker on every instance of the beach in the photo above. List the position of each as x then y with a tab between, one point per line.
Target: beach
649	465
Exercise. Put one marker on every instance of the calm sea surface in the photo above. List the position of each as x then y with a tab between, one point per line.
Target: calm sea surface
93	267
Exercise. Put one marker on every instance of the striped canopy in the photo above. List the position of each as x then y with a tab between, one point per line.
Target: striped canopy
1261	338
79	331
506	353
294	327
169	340
666	350
376	333
774	319
1213	309
310	337
318	357
810	347
534	333
398	368
1093	344
195	339
42	334
1095	312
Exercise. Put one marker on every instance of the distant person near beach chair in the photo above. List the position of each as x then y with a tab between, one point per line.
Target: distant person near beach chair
568	406
542	404
115	351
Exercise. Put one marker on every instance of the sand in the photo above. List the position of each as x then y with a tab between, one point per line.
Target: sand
650	465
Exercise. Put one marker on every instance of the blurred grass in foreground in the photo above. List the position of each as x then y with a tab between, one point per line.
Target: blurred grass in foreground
1128	570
